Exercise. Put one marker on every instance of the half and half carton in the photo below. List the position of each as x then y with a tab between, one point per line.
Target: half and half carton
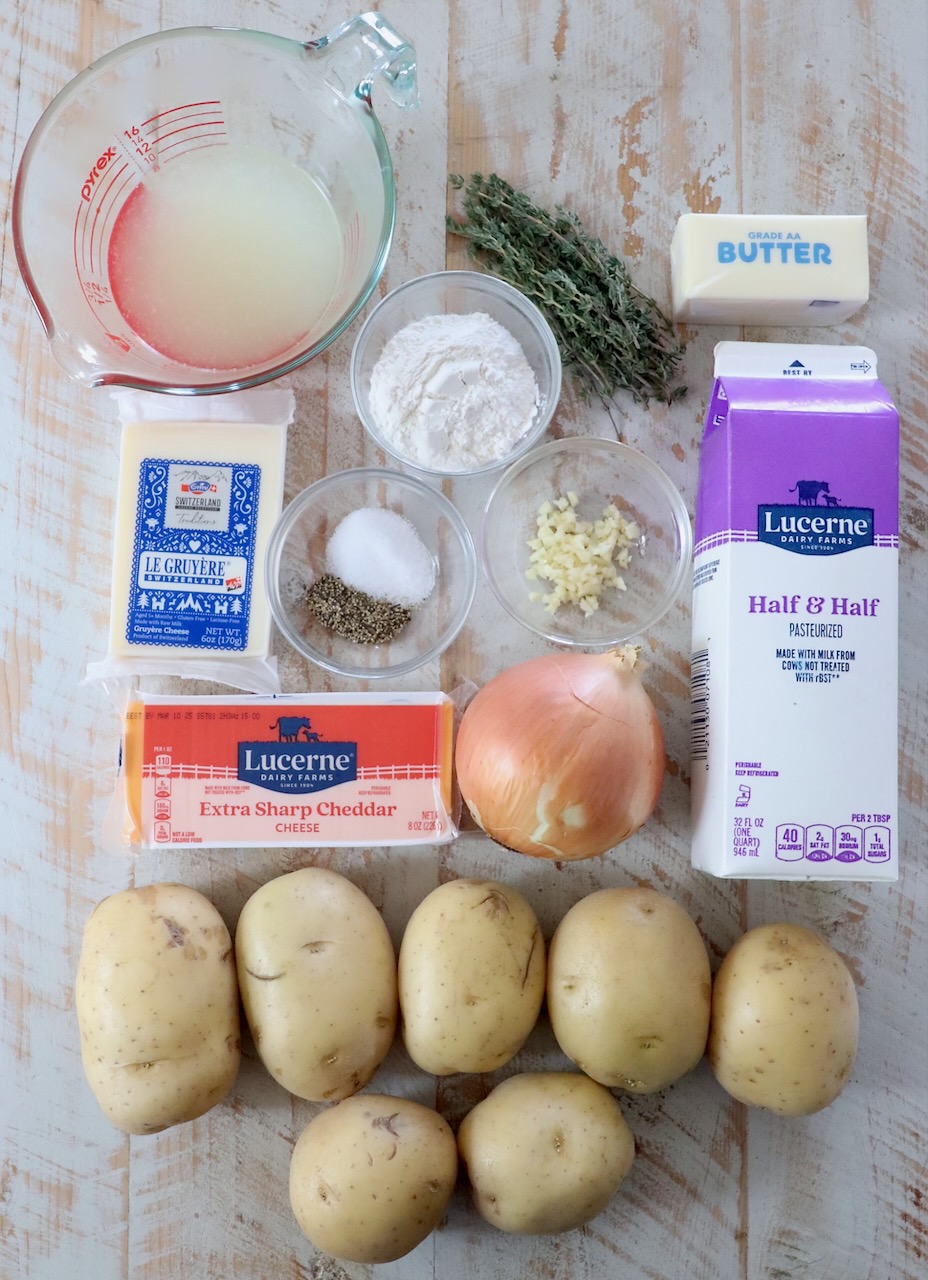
795	618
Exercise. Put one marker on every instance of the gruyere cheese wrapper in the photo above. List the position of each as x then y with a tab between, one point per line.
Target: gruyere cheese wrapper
200	488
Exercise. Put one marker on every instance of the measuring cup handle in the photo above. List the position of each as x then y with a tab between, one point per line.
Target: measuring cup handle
371	39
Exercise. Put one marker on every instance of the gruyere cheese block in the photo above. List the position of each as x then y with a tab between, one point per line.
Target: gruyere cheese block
197	500
769	269
300	770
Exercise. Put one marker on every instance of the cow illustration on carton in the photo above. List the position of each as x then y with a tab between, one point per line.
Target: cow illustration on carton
294	729
808	492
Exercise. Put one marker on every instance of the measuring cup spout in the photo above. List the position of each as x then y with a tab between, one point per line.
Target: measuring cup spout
84	362
370	46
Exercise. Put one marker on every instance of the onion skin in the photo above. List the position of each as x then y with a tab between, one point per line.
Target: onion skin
562	756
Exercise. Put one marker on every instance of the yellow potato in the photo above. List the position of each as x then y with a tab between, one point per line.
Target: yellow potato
317	973
545	1152
471	977
629	988
784	1021
372	1176
157	1007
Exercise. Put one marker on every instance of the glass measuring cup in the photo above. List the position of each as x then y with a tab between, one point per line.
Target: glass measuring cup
207	208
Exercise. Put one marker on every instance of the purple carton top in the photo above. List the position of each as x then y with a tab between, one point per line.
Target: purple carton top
805	431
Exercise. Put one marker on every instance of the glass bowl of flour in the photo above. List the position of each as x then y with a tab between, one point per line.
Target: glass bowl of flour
455	373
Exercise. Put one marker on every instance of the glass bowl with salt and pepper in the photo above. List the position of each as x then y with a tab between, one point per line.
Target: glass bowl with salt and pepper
370	573
586	542
455	373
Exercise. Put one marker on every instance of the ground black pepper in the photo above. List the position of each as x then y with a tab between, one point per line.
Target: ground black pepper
354	614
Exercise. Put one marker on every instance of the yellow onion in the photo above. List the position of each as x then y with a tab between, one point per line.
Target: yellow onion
562	756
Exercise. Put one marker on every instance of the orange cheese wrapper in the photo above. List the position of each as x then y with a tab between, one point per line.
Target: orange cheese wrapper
304	770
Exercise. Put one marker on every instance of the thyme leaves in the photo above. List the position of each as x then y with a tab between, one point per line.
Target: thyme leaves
611	334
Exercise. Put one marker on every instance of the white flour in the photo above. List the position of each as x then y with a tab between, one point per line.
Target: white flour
453	391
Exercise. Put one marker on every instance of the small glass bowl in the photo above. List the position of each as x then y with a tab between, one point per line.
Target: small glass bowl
599	472
296	557
461	293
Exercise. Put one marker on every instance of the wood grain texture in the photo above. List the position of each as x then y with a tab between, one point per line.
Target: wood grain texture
630	114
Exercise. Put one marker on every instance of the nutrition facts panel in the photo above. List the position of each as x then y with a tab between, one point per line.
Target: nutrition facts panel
821	843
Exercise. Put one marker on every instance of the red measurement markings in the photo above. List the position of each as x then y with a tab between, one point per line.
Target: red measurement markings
209	107
190	126
192	123
88	230
103	212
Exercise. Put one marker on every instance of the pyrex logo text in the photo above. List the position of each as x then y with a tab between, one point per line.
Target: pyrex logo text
102	161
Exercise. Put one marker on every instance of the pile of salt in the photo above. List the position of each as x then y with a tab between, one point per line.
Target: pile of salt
379	552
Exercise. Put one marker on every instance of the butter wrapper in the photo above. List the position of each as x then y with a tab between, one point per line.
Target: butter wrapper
769	269
301	770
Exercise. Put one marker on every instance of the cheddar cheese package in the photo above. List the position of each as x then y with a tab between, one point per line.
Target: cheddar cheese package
300	770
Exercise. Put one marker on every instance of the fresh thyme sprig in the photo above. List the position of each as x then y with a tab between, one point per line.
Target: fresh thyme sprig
613	335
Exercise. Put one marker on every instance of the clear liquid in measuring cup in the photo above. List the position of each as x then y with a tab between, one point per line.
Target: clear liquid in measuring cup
225	257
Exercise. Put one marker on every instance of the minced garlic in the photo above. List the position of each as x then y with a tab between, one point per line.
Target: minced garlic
579	558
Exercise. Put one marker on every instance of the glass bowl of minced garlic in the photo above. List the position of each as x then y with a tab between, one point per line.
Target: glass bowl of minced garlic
586	542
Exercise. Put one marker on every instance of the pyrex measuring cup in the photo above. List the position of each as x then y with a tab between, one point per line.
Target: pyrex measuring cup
207	208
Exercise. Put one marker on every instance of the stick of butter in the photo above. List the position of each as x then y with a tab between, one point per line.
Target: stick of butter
300	770
769	269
